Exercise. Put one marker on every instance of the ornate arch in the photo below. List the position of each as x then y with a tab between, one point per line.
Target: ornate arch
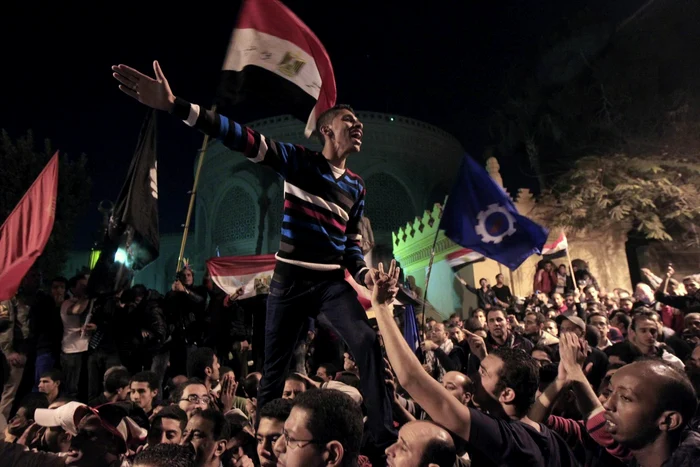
236	218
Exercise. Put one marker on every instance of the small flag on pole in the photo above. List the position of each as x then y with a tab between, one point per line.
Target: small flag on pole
24	234
480	216
274	58
555	249
463	257
252	273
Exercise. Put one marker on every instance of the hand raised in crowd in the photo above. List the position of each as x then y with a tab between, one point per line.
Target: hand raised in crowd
573	353
154	93
228	392
385	284
178	287
477	345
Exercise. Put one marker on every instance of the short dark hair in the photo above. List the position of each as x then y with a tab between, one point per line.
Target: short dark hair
146	377
349	378
172	412
540	319
298	379
520	373
330	368
250	385
55	375
74	280
60	279
116	378
278	409
221	428
440	451
642	313
333	416
326	117
166	455
139	290
622	317
625	351
33	401
543	348
596	314
198	361
494	309
177	393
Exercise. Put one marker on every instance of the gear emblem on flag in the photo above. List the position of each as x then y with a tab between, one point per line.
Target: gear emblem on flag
495	224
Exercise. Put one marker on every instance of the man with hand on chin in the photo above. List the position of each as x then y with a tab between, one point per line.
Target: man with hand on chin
323	208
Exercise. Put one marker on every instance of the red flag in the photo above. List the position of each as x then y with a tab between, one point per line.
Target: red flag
24	234
274	58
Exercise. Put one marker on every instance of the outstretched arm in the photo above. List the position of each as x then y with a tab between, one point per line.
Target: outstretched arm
442	407
156	93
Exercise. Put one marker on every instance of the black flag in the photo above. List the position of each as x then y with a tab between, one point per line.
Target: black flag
132	240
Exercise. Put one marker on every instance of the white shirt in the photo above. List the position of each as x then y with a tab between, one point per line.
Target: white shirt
72	341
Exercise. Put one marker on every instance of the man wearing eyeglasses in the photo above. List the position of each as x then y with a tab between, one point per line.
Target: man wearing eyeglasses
324	428
193	397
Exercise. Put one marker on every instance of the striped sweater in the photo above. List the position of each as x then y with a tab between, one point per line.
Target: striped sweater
322	210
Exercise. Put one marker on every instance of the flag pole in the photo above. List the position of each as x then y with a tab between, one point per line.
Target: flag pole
571	266
430	264
202	152
512	284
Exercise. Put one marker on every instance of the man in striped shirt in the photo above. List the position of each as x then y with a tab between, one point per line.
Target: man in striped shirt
323	207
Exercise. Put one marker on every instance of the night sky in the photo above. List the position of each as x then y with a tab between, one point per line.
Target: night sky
436	62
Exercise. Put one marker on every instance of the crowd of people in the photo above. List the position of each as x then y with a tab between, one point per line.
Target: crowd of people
571	374
589	378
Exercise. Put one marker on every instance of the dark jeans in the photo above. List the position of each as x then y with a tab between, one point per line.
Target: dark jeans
337	307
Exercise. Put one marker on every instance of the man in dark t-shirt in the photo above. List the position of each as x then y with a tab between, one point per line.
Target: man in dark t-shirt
505	386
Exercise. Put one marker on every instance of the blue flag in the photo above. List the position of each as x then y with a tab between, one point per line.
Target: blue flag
410	330
479	215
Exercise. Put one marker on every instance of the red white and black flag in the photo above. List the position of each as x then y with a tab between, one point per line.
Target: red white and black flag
274	58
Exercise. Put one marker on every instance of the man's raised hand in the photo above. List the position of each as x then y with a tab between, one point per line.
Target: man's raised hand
385	284
154	93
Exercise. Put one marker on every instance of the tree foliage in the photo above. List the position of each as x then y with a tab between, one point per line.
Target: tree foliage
21	164
657	197
617	140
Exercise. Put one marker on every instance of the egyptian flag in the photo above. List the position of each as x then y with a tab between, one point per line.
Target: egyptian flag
462	257
132	240
26	231
555	249
252	273
276	62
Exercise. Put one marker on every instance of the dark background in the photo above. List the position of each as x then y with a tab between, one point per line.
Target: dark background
445	63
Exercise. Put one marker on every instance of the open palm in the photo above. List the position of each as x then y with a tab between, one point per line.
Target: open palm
154	93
